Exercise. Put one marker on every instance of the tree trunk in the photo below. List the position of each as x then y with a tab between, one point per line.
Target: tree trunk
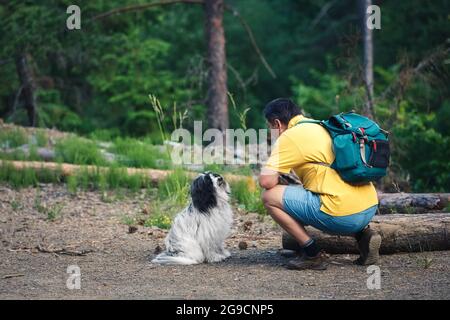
217	100
368	59
399	232
28	87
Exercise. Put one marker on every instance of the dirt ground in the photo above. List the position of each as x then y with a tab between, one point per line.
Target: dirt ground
115	264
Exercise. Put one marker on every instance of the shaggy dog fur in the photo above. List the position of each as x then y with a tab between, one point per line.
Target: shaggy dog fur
198	232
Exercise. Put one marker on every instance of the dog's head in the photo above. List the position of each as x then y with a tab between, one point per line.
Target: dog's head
207	190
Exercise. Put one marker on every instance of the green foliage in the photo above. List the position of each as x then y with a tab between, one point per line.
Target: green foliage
53	212
41	138
248	195
79	151
159	219
13	138
140	154
423	152
175	186
72	184
96	81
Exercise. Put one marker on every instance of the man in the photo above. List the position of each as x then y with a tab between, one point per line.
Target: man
324	201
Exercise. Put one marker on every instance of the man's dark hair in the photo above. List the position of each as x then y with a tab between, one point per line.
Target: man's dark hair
282	109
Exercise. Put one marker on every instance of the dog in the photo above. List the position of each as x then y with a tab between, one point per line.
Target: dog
198	232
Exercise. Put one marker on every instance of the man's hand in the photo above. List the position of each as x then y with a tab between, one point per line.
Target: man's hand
268	178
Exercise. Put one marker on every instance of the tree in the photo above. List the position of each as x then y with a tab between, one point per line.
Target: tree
27	86
217	100
368	59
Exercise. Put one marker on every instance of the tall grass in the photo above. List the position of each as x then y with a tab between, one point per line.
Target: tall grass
19	178
78	150
13	138
247	193
139	154
175	186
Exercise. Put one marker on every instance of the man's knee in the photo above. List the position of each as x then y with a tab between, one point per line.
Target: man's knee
273	197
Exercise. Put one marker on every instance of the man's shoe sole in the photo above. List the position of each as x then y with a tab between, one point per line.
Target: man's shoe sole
374	250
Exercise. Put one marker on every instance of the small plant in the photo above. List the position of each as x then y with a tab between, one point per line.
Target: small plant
16	205
38	203
72	184
54	211
241	115
129	221
160	220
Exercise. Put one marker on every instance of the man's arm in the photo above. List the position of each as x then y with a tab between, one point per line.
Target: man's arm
268	178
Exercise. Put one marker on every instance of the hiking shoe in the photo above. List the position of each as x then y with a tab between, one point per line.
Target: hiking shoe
369	243
304	262
290	253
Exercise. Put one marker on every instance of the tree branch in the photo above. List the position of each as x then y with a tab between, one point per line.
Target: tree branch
169	2
252	39
142	7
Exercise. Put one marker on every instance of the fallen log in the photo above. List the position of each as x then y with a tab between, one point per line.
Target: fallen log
399	232
389	202
66	169
412	202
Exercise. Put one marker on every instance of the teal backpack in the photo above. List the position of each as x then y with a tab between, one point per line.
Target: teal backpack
361	147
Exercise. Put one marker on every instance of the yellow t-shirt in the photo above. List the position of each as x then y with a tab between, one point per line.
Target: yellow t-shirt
301	148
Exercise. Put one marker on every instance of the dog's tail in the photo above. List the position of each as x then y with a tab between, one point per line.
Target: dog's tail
164	258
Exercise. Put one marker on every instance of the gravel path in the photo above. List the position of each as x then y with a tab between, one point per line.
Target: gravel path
114	263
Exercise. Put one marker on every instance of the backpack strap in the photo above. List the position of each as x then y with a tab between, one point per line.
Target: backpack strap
308	121
316	122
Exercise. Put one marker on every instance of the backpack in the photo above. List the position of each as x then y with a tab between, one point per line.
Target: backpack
361	147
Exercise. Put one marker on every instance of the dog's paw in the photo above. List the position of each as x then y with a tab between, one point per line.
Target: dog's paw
226	253
216	258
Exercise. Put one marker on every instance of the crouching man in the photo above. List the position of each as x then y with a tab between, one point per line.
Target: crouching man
324	201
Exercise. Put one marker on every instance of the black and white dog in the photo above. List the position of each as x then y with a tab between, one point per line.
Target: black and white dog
198	232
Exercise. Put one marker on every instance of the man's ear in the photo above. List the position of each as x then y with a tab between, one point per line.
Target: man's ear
277	124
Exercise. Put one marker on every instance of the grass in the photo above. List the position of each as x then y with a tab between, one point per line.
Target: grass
229	169
247	193
53	212
27	177
13	138
16	205
112	178
175	186
80	151
41	138
139	154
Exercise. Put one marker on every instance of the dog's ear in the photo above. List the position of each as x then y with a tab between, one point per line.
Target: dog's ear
203	193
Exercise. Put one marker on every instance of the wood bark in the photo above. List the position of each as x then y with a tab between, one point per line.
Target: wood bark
412	202
399	232
28	86
217	100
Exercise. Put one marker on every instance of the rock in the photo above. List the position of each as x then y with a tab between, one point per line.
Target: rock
158	250
247	225
242	245
132	229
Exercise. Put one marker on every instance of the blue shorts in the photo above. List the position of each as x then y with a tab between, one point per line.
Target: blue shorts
304	206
